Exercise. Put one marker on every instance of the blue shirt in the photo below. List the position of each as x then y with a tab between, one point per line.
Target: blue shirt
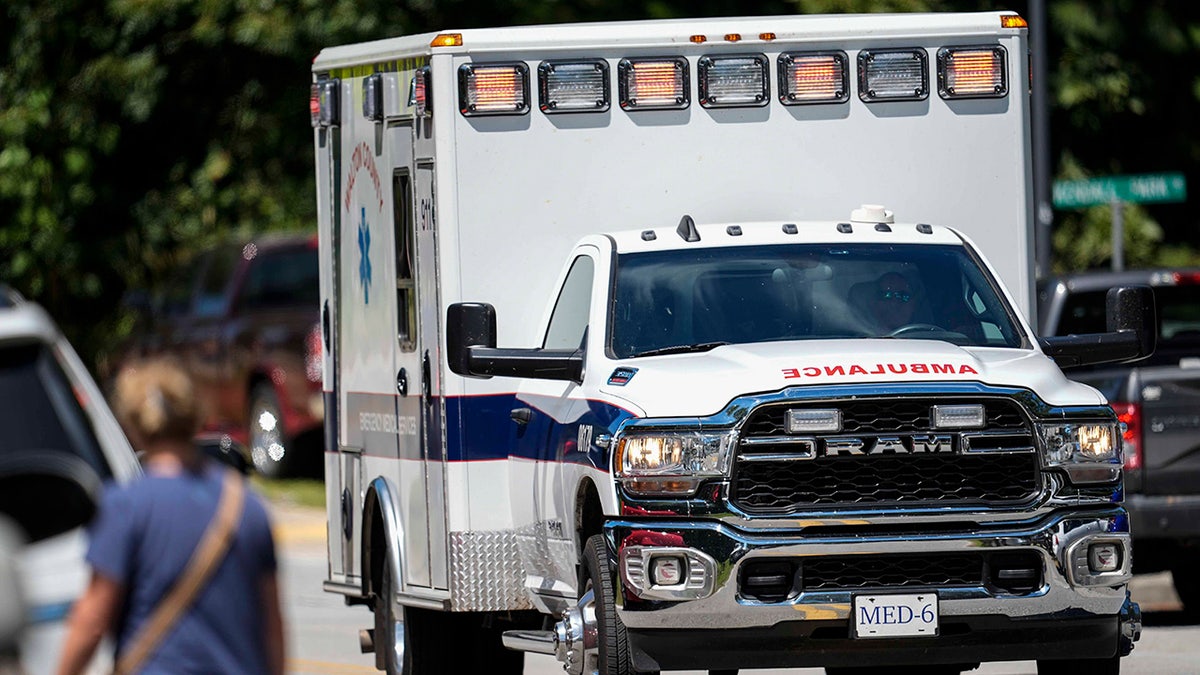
143	537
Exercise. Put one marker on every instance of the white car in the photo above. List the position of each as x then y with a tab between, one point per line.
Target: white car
59	442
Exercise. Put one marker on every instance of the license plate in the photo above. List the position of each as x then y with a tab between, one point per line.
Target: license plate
894	615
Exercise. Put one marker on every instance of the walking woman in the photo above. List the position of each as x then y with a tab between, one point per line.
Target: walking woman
183	561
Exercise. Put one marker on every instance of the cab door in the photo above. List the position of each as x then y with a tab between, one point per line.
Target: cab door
548	415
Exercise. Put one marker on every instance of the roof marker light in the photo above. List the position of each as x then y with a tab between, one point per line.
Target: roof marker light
733	37
893	75
813	77
733	81
447	40
573	86
1013	21
653	84
493	89
766	37
698	39
972	72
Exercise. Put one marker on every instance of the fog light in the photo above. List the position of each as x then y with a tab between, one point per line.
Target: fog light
667	570
1104	557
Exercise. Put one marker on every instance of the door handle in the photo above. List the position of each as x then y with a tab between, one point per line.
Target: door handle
521	415
402	382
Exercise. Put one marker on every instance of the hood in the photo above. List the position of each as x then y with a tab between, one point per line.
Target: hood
702	384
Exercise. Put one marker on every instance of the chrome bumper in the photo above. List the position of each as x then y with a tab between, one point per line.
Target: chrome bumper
1061	540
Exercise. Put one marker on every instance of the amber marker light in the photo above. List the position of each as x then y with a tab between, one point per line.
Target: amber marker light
766	37
1013	21
698	39
447	40
733	37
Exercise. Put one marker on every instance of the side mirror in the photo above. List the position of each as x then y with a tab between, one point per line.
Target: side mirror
471	349
225	450
1132	332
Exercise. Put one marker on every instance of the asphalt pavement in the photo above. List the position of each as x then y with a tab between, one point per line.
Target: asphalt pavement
323	631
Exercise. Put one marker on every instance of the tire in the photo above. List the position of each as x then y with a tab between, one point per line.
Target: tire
615	658
1187	585
271	451
390	629
1108	666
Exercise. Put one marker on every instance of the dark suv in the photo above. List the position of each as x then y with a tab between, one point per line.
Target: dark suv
1158	401
244	318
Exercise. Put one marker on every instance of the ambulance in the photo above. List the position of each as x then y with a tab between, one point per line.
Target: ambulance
706	344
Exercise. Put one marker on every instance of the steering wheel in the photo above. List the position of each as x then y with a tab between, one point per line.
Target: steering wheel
915	327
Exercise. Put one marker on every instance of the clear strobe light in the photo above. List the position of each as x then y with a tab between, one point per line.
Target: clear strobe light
972	72
573	86
733	81
893	75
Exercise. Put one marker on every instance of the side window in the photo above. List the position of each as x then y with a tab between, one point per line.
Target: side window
284	277
210	297
569	322
406	268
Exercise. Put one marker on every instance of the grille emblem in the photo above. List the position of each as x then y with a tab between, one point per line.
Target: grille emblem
887	445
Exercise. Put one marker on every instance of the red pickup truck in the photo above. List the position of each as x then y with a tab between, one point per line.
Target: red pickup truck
244	318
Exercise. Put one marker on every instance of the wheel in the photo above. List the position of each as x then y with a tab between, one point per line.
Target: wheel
270	449
1108	666
391	639
615	658
1187	585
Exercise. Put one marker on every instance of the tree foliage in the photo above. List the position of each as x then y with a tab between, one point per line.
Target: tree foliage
136	131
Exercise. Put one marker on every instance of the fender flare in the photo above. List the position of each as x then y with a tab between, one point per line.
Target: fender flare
380	503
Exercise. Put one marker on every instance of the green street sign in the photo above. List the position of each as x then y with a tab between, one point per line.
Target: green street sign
1144	188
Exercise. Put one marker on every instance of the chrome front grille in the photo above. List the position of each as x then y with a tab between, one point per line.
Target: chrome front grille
886	453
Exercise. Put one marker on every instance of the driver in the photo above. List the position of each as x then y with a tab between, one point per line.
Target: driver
893	302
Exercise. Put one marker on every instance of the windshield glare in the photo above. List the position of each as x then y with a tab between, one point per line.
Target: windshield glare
805	292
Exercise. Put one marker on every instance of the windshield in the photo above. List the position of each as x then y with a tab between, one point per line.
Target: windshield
42	411
672	300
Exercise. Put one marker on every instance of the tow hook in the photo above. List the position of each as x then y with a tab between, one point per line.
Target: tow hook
1131	625
574	641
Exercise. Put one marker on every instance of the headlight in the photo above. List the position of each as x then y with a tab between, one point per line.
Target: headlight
671	462
1090	452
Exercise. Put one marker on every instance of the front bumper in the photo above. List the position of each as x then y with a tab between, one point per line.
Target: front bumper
1069	612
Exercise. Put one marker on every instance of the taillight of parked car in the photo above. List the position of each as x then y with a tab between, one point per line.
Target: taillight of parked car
1130	416
313	354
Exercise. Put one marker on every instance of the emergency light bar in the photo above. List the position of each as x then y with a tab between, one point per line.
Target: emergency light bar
813	77
972	72
573	86
422	92
494	89
733	81
893	75
323	103
653	84
372	105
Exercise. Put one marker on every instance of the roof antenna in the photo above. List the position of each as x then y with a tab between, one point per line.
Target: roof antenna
687	229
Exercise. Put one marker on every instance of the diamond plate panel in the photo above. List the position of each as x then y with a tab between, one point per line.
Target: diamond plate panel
486	574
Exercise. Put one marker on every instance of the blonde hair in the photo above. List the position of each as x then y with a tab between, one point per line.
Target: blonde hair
156	400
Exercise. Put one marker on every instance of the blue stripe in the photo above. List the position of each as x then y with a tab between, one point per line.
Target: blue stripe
481	428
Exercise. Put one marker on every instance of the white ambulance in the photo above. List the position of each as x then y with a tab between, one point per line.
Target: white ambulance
619	367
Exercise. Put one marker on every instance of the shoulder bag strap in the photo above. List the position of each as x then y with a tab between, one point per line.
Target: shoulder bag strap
208	554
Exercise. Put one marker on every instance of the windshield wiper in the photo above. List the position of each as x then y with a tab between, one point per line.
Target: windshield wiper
680	349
